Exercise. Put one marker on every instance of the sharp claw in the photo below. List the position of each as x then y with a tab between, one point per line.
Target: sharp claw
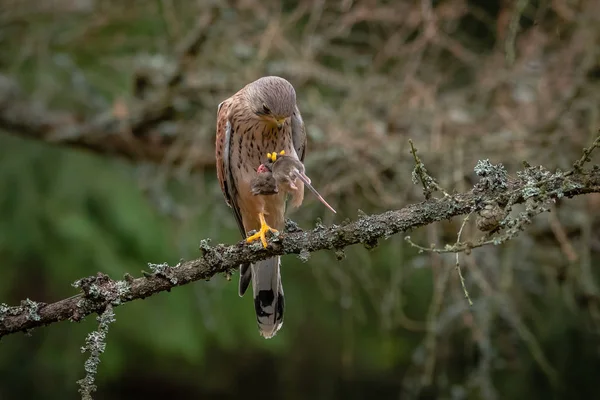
262	232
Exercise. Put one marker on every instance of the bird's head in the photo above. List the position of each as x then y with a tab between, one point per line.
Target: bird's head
272	99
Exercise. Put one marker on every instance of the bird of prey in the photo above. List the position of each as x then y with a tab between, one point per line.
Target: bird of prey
262	117
281	171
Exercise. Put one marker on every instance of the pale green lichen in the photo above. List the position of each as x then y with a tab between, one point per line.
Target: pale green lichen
492	176
414	176
420	173
31	307
4	309
319	225
163	270
204	246
94	291
291	226
123	290
158	269
304	255
95	344
533	177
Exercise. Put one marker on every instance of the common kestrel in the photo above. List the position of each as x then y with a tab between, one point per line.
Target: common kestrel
260	118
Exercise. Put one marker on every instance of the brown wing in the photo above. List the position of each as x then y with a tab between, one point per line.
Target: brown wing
222	148
298	134
222	111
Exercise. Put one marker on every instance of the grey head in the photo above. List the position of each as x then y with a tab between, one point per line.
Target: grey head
271	97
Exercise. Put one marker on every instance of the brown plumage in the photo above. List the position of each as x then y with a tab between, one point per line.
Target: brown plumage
262	117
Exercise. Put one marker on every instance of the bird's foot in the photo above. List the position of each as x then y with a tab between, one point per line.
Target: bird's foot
262	232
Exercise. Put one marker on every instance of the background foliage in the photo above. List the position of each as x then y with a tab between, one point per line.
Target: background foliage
465	80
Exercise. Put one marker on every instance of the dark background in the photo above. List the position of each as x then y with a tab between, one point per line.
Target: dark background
465	80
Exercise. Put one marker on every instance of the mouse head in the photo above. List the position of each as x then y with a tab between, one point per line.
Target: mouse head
262	168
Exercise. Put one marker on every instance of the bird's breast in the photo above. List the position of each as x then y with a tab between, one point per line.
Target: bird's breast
251	143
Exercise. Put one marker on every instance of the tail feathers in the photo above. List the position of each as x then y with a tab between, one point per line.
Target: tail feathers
268	296
245	278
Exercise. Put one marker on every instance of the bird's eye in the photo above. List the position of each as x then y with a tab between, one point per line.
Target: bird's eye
266	109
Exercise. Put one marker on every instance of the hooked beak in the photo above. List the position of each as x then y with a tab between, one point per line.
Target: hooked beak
280	122
306	180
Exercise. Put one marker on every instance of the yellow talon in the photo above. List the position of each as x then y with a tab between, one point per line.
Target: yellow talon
261	234
282	152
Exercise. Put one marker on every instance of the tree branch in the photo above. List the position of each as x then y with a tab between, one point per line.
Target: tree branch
100	291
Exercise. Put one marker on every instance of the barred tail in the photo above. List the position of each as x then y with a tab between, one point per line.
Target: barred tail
268	296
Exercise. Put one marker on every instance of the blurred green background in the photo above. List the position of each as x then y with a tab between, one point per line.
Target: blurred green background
382	323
